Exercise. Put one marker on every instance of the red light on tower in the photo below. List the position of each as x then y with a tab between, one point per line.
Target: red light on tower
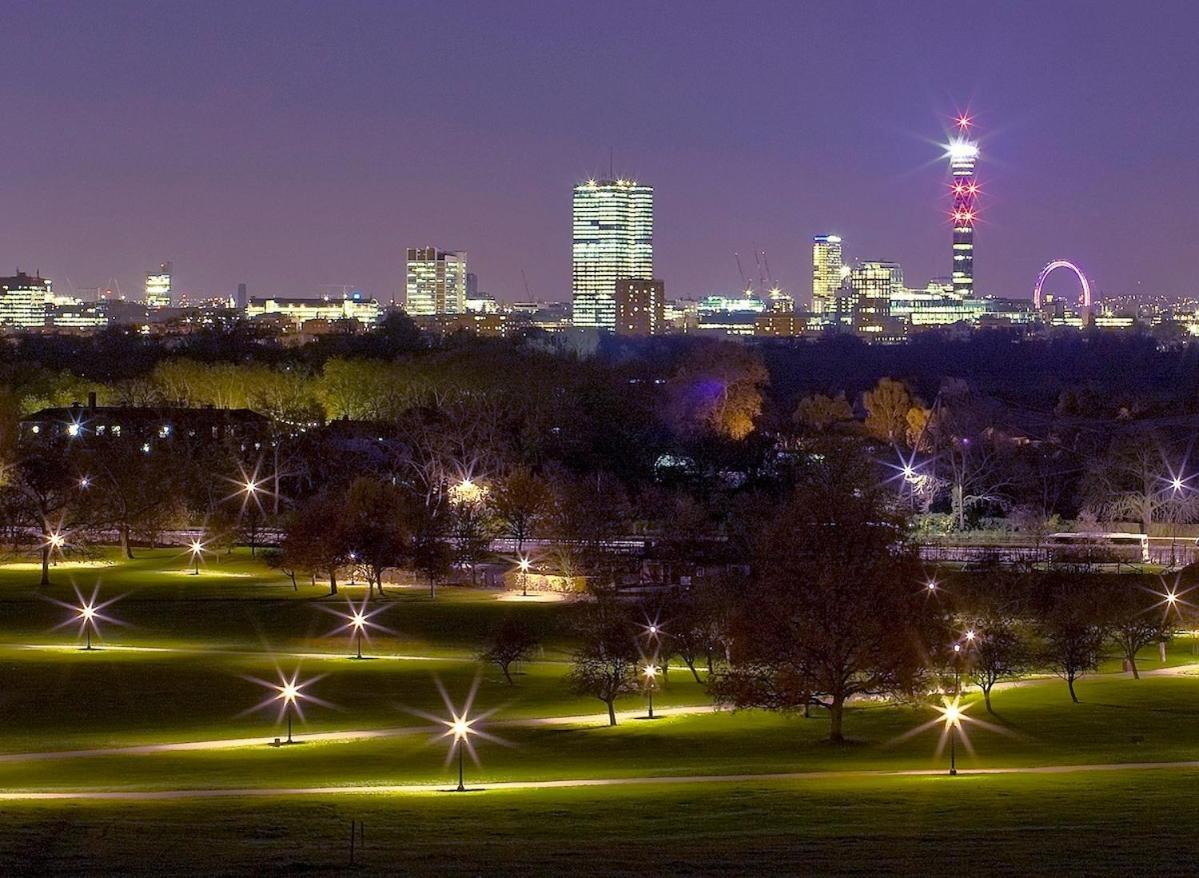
964	122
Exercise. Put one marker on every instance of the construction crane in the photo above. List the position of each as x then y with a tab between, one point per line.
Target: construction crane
769	276
758	254
741	271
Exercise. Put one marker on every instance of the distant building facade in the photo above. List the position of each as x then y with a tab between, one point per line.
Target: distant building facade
827	273
436	282
612	237
640	306
24	299
145	425
355	306
874	284
158	287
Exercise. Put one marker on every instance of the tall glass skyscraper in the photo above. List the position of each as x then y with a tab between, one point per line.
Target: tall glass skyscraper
612	238
827	273
963	155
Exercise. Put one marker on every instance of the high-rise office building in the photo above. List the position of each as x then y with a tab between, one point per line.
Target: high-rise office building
873	285
436	282
24	299
963	155
612	238
827	273
158	287
640	306
242	299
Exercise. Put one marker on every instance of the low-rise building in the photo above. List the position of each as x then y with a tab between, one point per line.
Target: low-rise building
354	306
147	425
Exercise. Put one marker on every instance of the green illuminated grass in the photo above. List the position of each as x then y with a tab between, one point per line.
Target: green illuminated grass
177	672
1117	824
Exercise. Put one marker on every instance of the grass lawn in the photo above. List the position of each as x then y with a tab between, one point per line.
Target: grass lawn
177	670
1085	825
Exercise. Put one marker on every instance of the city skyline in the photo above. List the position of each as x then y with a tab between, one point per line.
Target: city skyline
295	173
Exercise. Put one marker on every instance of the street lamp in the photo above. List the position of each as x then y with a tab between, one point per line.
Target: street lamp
196	548
650	673
952	716
460	729
523	564
357	621
358	624
87	620
85	482
289	694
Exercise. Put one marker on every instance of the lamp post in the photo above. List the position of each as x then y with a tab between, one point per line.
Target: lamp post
524	577
358	625
87	618
461	731
650	673
197	550
288	693
953	718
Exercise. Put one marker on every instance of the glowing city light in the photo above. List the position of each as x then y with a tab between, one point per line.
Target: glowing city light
85	482
960	150
964	121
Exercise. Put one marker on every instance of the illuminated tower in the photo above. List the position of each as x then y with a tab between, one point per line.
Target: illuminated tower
612	239
827	273
963	155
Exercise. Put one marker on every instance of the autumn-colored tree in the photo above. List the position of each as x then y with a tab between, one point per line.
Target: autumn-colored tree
887	407
717	388
823	413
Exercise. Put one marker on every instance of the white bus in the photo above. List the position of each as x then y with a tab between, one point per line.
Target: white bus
1099	547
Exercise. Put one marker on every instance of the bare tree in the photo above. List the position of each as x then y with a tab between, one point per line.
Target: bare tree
1135	619
509	643
605	664
997	652
1072	629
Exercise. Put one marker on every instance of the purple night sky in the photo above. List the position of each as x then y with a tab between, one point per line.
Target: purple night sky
296	146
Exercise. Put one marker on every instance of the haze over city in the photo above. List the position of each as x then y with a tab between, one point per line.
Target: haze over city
303	147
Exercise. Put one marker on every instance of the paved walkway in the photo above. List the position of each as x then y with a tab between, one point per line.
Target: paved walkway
347	735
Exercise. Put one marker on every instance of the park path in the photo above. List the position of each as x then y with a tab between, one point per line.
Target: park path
347	735
576	783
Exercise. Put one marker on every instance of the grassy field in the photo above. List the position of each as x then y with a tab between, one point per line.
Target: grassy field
182	668
1118	824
